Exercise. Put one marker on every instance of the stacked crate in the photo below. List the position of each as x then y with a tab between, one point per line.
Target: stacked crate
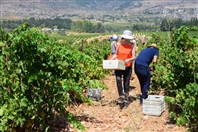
154	105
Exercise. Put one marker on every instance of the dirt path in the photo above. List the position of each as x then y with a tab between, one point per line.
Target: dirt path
106	115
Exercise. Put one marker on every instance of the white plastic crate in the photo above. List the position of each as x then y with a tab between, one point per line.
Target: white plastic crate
94	93
114	64
154	105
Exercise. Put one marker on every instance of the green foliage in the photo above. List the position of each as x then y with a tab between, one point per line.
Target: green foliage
40	78
170	24
143	27
186	104
176	73
71	39
87	26
50	23
3	35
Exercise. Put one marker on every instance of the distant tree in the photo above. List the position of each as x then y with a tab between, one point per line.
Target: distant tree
77	26
136	27
88	26
178	23
193	22
99	28
167	25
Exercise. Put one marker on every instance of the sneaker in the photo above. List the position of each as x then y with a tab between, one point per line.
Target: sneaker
125	104
126	96
141	99
120	100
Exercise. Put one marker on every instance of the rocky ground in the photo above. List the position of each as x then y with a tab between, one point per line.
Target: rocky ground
107	116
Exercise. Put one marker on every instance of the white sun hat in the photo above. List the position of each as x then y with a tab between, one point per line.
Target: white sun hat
114	36
127	34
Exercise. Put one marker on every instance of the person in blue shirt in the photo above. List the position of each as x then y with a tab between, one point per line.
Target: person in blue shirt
113	40
142	69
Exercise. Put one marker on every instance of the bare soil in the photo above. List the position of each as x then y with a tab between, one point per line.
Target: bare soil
107	116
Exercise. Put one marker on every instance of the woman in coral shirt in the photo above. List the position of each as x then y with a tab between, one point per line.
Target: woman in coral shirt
126	52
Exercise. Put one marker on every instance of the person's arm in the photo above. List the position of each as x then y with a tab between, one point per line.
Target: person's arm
116	44
155	59
154	62
115	55
133	51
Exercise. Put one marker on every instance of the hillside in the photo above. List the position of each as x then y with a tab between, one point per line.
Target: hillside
127	11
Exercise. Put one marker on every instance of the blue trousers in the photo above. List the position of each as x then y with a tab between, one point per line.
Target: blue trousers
126	80
144	76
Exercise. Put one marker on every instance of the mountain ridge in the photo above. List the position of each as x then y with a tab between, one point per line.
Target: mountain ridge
97	10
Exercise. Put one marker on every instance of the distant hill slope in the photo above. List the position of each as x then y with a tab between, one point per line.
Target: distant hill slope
99	9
